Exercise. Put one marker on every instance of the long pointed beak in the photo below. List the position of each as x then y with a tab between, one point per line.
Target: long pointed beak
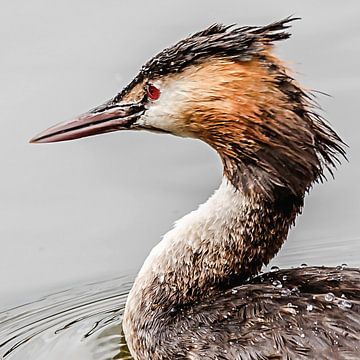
106	118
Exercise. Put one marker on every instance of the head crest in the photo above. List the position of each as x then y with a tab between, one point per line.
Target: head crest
217	41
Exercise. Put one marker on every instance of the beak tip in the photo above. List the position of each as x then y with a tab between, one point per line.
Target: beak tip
37	139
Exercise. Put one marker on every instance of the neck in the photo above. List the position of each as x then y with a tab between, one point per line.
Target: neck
224	242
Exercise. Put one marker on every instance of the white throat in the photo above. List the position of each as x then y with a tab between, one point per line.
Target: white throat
172	264
201	228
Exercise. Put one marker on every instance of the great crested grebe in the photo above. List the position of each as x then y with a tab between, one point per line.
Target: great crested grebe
197	295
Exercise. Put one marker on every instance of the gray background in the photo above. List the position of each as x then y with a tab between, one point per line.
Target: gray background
92	209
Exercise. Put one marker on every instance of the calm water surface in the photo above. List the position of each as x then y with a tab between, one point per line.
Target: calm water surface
87	212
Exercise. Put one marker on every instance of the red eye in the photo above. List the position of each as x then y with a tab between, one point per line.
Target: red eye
153	92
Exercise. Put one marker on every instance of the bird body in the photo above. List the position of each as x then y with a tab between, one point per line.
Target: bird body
198	294
192	300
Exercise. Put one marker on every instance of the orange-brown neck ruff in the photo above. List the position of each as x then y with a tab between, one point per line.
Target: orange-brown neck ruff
260	122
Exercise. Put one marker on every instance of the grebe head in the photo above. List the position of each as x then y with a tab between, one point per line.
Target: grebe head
224	86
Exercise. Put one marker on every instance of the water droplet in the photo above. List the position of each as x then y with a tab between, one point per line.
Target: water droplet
345	304
335	277
274	268
341	267
303	265
277	284
309	307
172	63
285	292
329	297
302	335
234	291
161	278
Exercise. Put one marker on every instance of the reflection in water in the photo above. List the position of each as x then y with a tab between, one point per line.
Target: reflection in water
82	323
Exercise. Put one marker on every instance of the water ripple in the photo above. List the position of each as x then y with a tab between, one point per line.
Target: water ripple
80	323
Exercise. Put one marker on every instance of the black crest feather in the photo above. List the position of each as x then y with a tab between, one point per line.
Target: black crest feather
216	41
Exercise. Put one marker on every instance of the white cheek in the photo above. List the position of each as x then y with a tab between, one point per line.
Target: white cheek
164	113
